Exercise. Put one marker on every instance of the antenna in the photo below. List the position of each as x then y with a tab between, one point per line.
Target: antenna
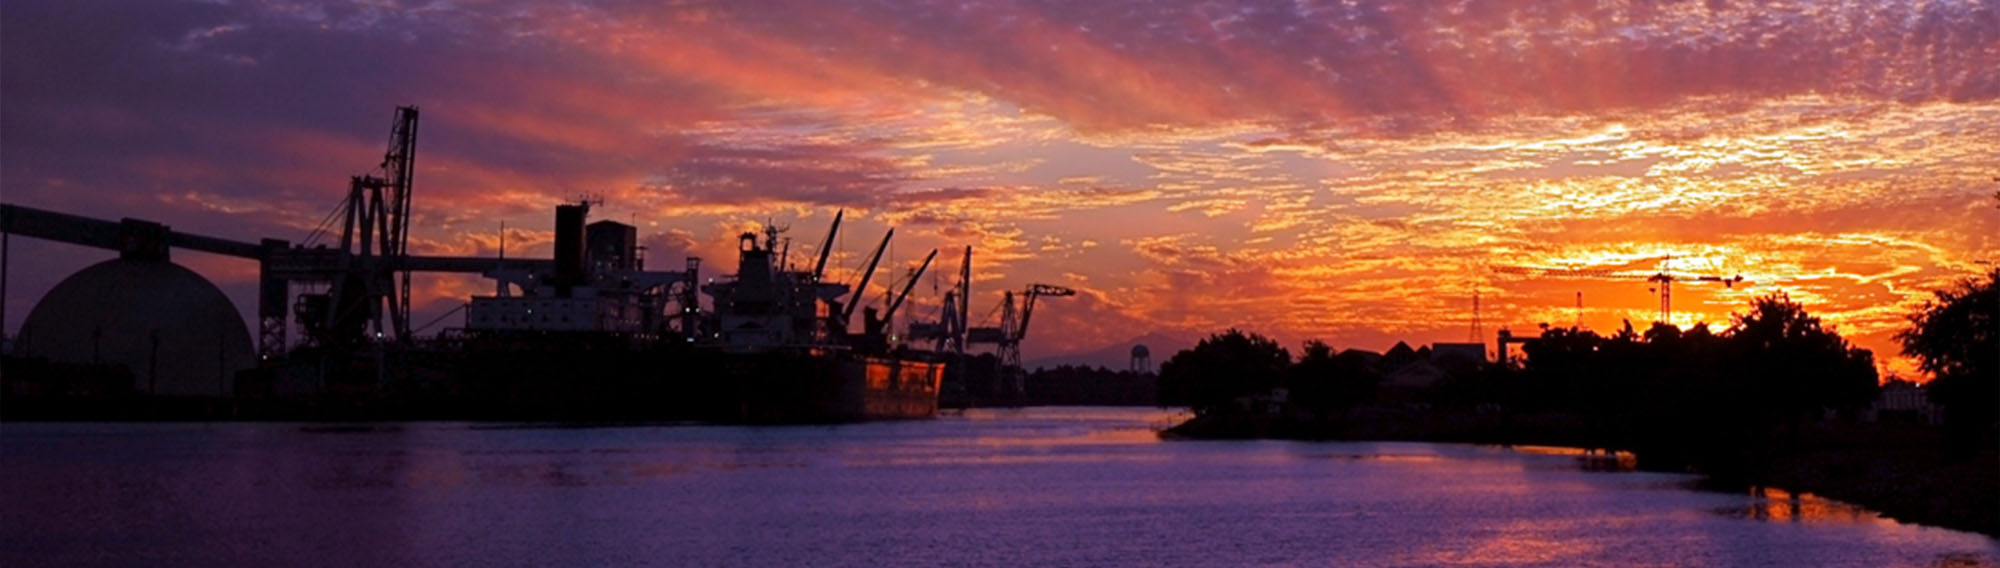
1579	309
1476	330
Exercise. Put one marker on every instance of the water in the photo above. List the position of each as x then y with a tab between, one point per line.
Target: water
1033	487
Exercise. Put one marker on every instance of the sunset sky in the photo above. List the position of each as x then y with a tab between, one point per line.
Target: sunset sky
1349	171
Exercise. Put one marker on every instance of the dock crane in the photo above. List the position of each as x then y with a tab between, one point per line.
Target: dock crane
374	247
1014	324
947	334
847	313
1662	280
873	326
890	313
826	246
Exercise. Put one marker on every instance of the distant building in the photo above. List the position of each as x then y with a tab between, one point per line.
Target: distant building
1399	355
1369	359
1415	375
1270	402
1903	401
1458	357
1406	371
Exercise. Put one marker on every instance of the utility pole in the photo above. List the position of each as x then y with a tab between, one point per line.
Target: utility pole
1579	309
1477	332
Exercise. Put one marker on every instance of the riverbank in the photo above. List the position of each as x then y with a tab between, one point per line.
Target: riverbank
1896	470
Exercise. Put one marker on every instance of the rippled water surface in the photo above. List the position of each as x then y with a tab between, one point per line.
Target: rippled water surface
1032	487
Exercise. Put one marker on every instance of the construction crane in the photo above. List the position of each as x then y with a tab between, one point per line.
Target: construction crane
1662	280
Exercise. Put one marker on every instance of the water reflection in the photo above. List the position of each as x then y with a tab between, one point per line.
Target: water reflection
1520	543
1587	459
1085	487
1777	505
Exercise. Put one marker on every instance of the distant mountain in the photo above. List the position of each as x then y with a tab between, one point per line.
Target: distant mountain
1118	355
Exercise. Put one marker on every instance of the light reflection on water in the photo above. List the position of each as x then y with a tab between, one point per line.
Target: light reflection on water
1777	505
998	487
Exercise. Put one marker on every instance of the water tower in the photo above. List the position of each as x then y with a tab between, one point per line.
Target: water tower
1142	359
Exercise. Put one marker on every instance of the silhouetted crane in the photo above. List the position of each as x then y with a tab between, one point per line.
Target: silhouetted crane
947	334
890	313
1006	338
1663	280
867	274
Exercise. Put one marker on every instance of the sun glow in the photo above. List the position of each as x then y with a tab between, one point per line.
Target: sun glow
1351	172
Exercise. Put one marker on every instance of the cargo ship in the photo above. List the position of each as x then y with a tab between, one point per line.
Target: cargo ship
591	334
773	347
782	336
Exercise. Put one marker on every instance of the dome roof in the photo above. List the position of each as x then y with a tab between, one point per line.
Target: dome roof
176	332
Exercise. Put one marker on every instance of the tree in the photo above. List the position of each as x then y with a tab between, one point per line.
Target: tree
1212	374
1323	382
1562	370
1956	338
1310	381
1794	361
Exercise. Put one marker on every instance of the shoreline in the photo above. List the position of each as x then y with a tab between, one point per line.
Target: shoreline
1896	473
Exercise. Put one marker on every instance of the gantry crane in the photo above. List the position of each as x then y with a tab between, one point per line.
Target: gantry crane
375	247
947	334
1014	324
1663	280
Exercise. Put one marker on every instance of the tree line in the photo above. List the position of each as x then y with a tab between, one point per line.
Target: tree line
1708	398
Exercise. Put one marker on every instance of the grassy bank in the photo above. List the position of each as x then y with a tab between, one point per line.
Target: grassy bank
1895	470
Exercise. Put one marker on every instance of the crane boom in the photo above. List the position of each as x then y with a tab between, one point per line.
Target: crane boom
1662	280
959	327
826	246
399	166
891	312
1028	306
847	313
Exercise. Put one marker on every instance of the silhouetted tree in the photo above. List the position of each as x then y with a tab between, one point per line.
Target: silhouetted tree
1694	397
1795	363
1078	384
1558	371
1212	374
1956	337
1323	382
1310	380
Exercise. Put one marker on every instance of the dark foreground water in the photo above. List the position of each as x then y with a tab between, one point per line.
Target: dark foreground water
1033	487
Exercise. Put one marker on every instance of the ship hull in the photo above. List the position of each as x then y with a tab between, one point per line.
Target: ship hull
549	377
823	388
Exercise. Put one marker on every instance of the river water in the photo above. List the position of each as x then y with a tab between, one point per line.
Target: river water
1028	487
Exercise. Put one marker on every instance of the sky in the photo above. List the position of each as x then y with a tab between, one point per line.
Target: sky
1351	171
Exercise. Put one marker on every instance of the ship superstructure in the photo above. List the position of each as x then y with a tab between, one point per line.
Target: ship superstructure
766	306
598	284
